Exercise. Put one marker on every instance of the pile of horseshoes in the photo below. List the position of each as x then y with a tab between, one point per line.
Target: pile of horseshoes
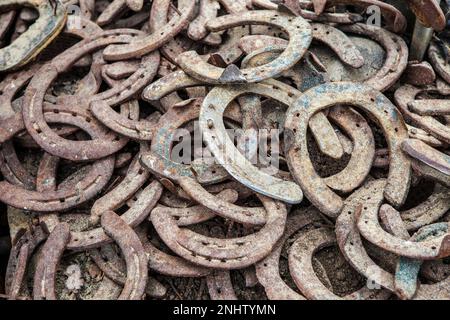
93	93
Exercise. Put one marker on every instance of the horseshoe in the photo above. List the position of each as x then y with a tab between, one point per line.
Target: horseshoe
302	272
42	32
360	96
199	213
169	265
371	229
113	267
159	159
134	129
244	215
407	93
429	211
428	155
349	239
430	107
145	45
208	9
212	128
111	12
133	252
133	181
44	276
407	270
333	37
396	54
419	134
21	251
297	28
223	253
438	62
267	270
62	199
220	286
6	20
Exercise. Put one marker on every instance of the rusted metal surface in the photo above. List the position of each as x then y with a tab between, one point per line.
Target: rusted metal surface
299	34
133	253
223	253
25	48
382	109
92	132
45	274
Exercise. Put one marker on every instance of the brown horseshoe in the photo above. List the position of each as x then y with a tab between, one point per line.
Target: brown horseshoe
199	213
429	211
430	107
169	265
94	238
44	277
33	116
301	269
361	96
333	37
143	46
223	253
396	58
405	95
28	45
297	28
